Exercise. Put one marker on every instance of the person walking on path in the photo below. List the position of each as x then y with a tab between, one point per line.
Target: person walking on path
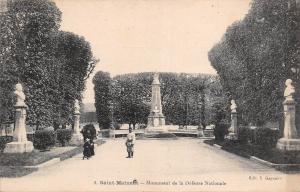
130	143
87	149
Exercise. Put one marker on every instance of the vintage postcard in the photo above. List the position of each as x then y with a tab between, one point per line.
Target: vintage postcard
149	95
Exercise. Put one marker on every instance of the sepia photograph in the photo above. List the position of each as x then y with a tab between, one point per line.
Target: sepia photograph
149	95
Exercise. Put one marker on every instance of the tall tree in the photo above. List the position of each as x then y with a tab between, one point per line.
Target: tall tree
255	58
33	52
74	65
103	98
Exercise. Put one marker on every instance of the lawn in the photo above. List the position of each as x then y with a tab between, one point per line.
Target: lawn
12	165
272	155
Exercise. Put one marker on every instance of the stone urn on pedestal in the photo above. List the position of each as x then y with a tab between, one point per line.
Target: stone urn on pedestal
290	140
77	138
234	126
20	144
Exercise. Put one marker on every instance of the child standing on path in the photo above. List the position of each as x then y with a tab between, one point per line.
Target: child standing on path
130	143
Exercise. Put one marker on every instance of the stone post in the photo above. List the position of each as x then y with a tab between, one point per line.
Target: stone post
290	140
77	138
234	126
20	144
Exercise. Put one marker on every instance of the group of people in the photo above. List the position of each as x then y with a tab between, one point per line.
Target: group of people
88	146
89	133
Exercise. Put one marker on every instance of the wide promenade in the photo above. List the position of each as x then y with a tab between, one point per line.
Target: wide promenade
183	164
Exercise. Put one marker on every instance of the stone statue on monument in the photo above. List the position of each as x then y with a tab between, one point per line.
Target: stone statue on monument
289	90
20	144
233	106
19	95
290	140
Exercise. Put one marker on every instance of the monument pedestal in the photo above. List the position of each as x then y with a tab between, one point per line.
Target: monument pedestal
233	128
20	143
290	140
19	147
288	144
156	120
77	138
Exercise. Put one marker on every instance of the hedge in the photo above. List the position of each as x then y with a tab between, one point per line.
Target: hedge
63	136
220	130
263	137
43	139
3	141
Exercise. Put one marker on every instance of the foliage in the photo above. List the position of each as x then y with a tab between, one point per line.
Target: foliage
131	95
3	141
264	137
74	66
63	136
267	138
52	65
219	112
244	134
43	139
220	130
102	86
254	59
186	98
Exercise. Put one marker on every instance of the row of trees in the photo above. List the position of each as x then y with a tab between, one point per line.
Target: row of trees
51	64
187	99
255	57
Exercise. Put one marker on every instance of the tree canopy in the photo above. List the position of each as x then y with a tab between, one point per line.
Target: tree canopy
52	65
255	57
187	99
103	98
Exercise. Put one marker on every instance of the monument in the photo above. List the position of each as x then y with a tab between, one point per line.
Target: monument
234	127
77	136
20	144
156	119
290	140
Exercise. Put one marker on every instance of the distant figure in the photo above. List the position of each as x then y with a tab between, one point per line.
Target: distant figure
20	95
87	149
289	90
130	143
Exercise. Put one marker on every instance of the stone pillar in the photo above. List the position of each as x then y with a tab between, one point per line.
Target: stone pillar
290	140
77	138
20	144
234	126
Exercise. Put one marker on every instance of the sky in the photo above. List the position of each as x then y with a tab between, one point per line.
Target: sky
130	36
